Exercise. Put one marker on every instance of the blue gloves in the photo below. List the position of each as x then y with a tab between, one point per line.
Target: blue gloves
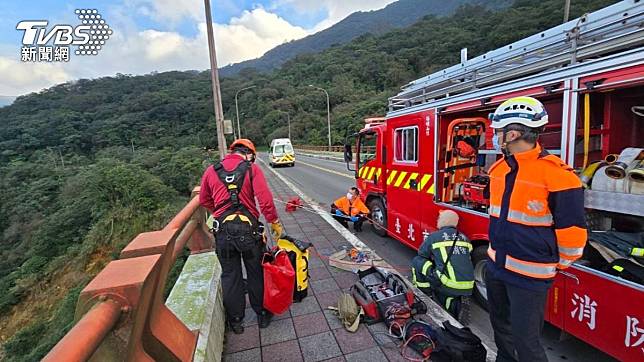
354	219
339	213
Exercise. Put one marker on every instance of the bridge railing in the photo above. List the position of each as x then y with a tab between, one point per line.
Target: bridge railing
121	314
338	149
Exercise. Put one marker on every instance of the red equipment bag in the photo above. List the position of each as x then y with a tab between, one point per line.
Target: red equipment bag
279	281
377	290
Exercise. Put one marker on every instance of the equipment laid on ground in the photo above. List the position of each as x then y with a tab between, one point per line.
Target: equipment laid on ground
354	260
376	290
348	311
279	281
298	254
293	203
458	344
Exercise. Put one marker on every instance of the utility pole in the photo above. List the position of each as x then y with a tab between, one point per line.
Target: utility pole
567	11
216	91
328	111
237	108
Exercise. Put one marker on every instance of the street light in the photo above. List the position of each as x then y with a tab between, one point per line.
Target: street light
288	117
328	111
237	108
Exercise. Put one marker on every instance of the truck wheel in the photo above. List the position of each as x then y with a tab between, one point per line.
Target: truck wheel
479	260
379	217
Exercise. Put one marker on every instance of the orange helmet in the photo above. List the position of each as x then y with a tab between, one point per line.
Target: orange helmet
244	142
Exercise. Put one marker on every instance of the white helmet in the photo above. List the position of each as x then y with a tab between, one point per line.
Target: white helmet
522	110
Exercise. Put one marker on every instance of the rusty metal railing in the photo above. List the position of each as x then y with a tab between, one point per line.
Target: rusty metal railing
339	149
121	314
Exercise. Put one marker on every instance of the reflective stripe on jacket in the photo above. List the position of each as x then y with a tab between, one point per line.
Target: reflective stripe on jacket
351	208
428	265
537	221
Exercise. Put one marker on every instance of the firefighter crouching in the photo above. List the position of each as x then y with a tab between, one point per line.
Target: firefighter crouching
228	191
443	268
537	226
350	208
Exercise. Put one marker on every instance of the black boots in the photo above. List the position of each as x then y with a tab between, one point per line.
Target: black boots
236	325
264	319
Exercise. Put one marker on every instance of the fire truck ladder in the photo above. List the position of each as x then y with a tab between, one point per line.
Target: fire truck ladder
603	32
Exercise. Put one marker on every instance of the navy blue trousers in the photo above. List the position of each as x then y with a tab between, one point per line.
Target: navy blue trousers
517	319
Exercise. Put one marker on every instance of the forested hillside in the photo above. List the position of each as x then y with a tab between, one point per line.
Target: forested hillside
85	166
399	14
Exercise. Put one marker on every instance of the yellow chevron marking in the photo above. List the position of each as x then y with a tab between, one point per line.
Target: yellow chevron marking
392	175
378	172
365	171
412	177
401	178
431	189
423	181
360	170
373	169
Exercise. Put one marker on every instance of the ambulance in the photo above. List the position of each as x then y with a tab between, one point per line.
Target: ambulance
281	153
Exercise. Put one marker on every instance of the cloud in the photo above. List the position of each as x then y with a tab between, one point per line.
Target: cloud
169	10
19	78
336	9
138	52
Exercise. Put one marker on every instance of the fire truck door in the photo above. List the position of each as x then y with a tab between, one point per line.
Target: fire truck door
403	183
604	311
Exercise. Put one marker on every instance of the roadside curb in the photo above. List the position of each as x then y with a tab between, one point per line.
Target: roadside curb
437	314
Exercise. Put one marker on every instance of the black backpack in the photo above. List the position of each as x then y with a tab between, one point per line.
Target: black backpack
458	345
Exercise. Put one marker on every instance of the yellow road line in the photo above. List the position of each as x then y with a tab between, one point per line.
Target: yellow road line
325	169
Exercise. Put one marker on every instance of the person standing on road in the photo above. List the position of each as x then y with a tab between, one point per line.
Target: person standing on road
228	191
350	208
537	226
443	267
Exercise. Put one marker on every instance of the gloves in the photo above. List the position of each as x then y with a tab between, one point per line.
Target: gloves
277	230
339	213
354	219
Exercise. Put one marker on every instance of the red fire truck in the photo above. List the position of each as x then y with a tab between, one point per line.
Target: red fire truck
432	150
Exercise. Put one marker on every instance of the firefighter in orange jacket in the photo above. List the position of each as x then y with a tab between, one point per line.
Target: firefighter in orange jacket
350	208
537	226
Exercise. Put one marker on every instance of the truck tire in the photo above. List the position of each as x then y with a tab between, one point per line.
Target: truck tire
479	260
379	217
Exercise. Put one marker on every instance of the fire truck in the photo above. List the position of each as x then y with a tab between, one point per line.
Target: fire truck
432	149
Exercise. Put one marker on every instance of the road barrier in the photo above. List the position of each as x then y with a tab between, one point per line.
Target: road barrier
335	149
121	313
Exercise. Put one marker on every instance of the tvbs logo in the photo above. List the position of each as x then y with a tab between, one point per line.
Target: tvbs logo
40	44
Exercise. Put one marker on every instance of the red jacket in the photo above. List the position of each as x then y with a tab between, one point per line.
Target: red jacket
213	190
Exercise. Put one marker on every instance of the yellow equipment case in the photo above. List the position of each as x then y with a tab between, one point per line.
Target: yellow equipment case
298	253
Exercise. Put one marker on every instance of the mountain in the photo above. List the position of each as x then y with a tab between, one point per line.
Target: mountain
399	14
6	100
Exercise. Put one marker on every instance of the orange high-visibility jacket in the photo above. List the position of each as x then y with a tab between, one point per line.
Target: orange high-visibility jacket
351	208
537	222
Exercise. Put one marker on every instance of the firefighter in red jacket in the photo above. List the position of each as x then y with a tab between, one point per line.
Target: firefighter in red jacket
537	226
228	191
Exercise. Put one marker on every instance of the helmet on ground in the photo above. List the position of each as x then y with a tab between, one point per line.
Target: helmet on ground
243	143
526	111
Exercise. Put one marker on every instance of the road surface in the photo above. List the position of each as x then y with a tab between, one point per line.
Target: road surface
324	181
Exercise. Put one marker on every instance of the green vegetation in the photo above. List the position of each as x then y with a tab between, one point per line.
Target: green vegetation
86	165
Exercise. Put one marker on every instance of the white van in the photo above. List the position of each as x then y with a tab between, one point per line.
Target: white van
281	152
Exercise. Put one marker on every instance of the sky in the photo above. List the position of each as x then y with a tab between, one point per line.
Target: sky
161	35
